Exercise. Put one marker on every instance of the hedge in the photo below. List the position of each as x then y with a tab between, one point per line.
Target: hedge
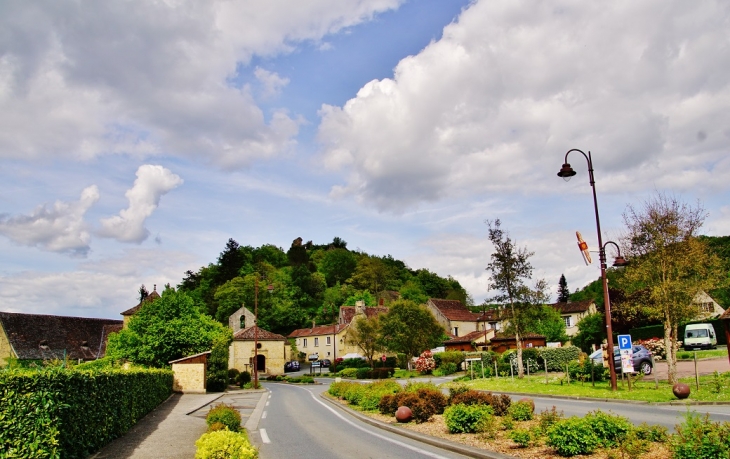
557	357
657	331
61	413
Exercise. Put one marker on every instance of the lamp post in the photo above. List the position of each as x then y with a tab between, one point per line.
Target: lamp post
566	172
270	288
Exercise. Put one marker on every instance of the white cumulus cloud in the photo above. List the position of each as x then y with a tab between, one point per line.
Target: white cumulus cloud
56	228
144	197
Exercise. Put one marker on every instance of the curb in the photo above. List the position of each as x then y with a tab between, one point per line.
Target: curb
207	402
609	400
427	439
253	421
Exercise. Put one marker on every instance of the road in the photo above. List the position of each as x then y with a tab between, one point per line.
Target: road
296	423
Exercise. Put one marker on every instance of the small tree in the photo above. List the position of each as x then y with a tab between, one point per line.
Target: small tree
546	321
669	263
365	334
591	330
409	328
563	291
510	268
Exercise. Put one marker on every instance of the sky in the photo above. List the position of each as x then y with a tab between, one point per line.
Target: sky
137	137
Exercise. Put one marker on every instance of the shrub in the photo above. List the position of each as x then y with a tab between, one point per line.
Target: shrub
224	444
433	398
374	393
226	415
522	437
424	403
456	389
557	357
233	375
654	433
610	429
444	358
348	373
500	403
582	371
243	378
388	405
337	389
572	436
425	362
467	418
521	411
216	426
445	369
700	438
353	393
362	373
549	417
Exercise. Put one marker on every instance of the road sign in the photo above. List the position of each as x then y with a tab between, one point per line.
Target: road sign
624	342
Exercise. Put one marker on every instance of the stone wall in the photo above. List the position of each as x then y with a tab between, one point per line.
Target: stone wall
189	378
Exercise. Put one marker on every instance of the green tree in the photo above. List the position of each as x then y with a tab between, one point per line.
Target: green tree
412	291
337	265
546	321
669	262
591	331
371	273
410	329
365	333
563	291
166	329
230	262
230	297
509	269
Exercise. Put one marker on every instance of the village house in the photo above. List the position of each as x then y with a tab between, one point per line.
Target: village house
272	349
331	341
707	308
39	337
453	316
573	312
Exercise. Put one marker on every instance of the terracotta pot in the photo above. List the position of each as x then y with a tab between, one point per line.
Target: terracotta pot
404	414
681	390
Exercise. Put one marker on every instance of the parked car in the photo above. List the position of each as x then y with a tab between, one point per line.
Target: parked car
291	366
641	357
699	336
326	362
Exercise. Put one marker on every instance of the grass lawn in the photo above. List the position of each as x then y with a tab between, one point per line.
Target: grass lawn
708	354
713	388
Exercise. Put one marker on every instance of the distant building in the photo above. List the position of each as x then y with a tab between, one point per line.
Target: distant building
453	316
573	312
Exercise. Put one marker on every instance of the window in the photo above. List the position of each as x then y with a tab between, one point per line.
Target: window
316	342
305	342
329	341
456	331
243	322
706	307
567	321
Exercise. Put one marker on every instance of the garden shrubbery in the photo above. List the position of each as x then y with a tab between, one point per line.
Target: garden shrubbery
226	415
467	418
225	438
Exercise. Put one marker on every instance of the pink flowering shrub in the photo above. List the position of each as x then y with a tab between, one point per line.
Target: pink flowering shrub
425	362
656	346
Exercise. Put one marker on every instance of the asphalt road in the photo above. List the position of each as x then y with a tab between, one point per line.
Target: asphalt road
296	423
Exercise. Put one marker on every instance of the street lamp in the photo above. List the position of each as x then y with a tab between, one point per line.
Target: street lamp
270	288
566	172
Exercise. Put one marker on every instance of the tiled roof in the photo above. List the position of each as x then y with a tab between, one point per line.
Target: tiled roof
106	331
151	297
725	315
348	312
490	315
454	310
318	330
573	307
248	334
503	337
468	338
40	337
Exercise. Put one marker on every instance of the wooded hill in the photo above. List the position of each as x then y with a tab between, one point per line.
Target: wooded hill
309	283
623	322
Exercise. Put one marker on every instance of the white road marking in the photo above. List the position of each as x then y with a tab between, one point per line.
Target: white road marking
382	437
267	403
264	436
263	416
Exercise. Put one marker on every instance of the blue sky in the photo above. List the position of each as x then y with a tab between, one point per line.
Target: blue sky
135	140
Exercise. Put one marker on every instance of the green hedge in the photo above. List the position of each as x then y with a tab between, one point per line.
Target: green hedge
557	357
57	413
657	331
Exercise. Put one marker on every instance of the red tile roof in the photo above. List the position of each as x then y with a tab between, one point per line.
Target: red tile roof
503	337
348	312
255	332
42	337
318	330
454	310
573	307
468	338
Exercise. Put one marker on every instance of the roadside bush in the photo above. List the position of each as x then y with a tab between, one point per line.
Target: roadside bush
352	363
217	426
443	358
557	357
337	389
377	373
500	403
362	373
522	437
375	392
423	403
698	437
226	415
445	369
610	429
653	433
425	362
548	418
582	371
348	373
353	393
224	444
233	375
434	399
456	389
414	386
572	436
243	378
521	411
388	404
467	418
390	362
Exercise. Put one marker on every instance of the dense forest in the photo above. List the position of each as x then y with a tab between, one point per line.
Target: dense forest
624	319
307	283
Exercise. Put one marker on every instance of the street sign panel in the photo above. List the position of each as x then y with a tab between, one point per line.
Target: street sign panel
624	342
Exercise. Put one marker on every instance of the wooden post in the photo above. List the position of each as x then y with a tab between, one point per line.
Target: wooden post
496	375
697	374
653	369
546	372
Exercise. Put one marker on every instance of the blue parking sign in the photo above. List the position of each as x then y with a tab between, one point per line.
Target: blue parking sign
624	342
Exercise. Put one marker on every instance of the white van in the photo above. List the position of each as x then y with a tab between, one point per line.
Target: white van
699	336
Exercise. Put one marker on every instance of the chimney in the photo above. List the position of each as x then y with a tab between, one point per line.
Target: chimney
313	324
359	307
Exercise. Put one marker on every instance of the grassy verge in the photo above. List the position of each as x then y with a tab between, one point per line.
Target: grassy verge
708	354
713	388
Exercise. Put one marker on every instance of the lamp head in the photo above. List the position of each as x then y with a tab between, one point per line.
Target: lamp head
620	262
566	172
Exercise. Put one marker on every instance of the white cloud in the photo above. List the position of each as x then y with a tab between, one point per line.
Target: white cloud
56	228
144	197
512	85
272	83
145	78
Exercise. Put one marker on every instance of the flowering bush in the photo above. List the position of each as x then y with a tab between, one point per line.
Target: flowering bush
656	346
425	362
